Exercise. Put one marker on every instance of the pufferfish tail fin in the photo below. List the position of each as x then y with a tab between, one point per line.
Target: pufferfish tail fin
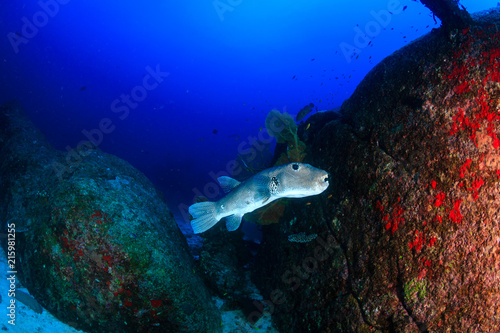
204	216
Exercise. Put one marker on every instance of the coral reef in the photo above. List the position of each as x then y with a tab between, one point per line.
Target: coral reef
100	250
281	126
409	230
284	129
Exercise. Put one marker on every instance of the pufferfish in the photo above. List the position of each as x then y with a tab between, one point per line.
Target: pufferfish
293	180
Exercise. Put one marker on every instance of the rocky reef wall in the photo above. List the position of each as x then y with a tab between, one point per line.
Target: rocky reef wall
96	245
409	229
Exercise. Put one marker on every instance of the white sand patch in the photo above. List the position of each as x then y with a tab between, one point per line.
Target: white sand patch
235	322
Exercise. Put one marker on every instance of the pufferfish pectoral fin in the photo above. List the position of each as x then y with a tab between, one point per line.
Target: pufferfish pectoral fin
233	222
262	185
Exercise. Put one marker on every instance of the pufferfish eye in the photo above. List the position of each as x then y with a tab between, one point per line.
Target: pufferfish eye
295	166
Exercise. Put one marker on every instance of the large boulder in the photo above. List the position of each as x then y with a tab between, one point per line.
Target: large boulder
95	243
408	233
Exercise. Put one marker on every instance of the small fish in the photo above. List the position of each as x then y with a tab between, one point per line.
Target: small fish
304	111
83	88
312	59
293	180
308	125
29	301
404	8
215	131
293	77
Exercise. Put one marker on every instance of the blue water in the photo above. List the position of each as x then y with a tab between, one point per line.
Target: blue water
179	88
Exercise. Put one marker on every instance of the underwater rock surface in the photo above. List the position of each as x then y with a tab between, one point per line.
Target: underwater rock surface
409	229
97	246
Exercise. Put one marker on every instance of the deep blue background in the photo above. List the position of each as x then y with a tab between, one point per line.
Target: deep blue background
229	62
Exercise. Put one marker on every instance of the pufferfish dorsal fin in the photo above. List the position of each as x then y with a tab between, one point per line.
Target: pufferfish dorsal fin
227	183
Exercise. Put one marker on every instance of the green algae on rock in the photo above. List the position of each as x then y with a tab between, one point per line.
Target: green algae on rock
100	250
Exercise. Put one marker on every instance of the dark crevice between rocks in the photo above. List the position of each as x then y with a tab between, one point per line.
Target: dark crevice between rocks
350	283
422	327
381	147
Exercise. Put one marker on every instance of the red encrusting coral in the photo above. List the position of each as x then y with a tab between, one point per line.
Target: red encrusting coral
441	239
156	303
476	185
481	115
100	217
418	241
455	214
465	167
91	253
394	218
484	114
439	199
